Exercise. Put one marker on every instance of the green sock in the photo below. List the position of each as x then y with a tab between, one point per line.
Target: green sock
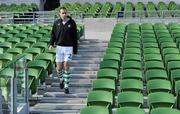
66	77
60	75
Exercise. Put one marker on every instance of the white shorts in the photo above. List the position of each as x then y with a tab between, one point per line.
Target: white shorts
63	53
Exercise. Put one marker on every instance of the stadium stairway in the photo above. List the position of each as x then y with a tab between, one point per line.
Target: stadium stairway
50	99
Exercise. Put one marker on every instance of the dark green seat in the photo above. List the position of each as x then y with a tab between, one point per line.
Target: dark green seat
152	57
94	110
160	99
132	57
164	111
154	65
156	74
113	50
14	51
41	45
100	98
110	64
5	58
167	51
23	45
150	45
131	65
115	45
131	85
107	73
132	74
151	51
172	57
130	110
133	45
132	51
130	99
159	85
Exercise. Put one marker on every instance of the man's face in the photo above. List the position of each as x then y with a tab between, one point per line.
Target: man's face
63	14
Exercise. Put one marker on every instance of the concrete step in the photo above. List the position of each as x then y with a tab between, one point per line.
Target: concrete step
62	95
42	90
49	81
103	45
93	44
85	62
93	41
58	100
85	58
77	76
91	50
74	84
85	65
90	55
37	111
84	68
59	106
83	72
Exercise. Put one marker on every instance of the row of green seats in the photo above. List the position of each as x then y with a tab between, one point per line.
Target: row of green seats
135	57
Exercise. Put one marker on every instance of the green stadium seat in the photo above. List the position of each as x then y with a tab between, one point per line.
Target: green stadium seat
152	57
164	111
160	99
154	65
156	74
107	73
100	98
130	99
159	85
94	110
132	74
131	85
129	110
132	57
131	65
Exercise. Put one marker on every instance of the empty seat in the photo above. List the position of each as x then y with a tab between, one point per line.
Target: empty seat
104	84
107	73
160	99
110	64
154	65
132	57
151	51
156	74
130	99
159	85
131	65
152	57
94	110
100	98
164	111
131	85
132	74
130	110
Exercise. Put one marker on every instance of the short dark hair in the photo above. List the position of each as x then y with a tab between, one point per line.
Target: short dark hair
62	8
